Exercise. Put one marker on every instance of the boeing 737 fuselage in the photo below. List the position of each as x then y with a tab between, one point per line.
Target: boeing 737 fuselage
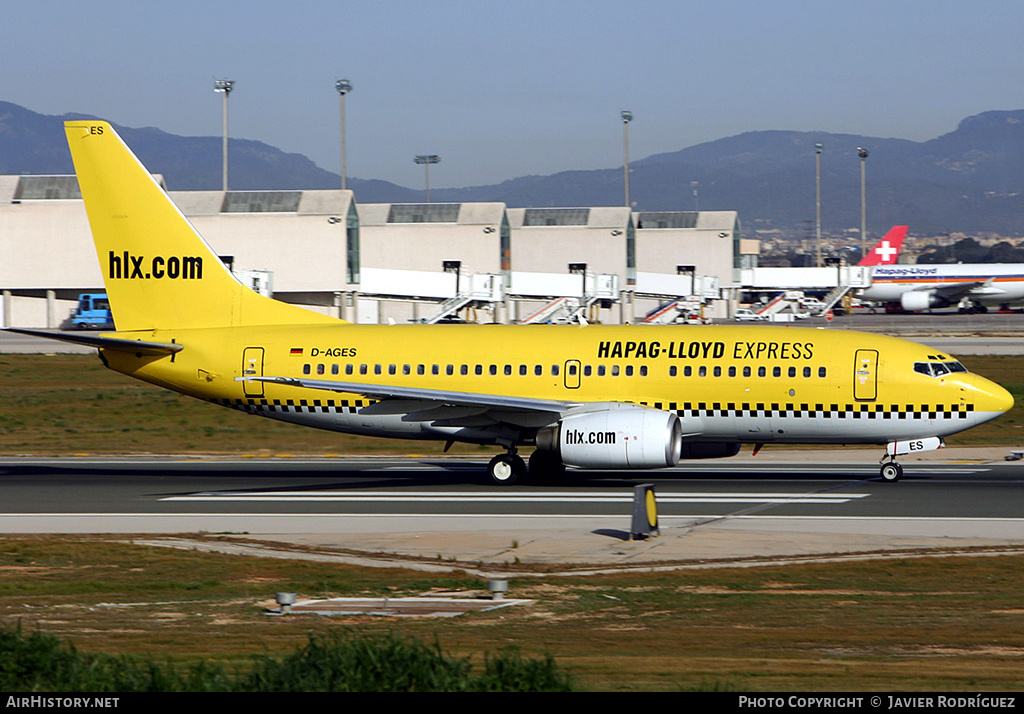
603	397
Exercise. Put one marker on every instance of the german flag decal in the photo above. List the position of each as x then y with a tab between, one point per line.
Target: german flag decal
296	351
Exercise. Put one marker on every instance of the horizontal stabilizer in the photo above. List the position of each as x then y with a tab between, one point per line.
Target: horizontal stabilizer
99	341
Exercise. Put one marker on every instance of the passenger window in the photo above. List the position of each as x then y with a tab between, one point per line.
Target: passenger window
320	369
305	369
776	371
407	369
421	369
478	370
449	370
334	369
732	371
464	369
643	370
761	371
586	371
792	371
672	371
718	371
600	370
435	369
702	371
615	370
362	369
377	369
807	371
746	371
629	370
687	371
349	369
392	369
554	370
538	370
522	370
821	372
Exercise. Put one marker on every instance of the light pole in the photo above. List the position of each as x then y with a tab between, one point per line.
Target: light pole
225	86
863	154
818	148
344	87
627	117
427	160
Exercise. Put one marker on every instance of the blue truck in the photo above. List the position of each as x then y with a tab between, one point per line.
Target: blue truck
93	312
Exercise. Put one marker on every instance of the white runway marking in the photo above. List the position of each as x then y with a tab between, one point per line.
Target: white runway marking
554	497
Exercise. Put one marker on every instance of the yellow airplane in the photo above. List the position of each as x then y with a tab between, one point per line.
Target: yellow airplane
602	397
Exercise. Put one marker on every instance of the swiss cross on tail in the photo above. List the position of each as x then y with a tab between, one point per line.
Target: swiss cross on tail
887	250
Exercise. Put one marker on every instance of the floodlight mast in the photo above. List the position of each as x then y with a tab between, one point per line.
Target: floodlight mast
627	117
427	160
863	154
344	87
224	86
818	148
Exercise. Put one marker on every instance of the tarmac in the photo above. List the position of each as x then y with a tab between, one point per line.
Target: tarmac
520	548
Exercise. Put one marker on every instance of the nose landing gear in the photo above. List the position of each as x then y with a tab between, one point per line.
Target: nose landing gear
891	471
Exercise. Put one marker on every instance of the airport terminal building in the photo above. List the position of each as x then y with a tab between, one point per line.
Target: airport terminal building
381	263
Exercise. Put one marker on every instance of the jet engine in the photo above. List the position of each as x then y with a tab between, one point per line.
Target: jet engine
621	437
922	300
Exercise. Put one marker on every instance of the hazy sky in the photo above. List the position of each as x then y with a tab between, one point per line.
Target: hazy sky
504	89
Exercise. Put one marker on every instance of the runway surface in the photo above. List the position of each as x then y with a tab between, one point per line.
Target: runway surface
430	508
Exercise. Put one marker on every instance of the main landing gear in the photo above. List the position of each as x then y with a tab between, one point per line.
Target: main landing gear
506	469
509	468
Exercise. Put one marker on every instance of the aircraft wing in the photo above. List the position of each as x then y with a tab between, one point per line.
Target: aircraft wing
99	341
953	292
434	404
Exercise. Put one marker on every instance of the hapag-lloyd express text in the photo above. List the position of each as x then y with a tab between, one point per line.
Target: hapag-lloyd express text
739	350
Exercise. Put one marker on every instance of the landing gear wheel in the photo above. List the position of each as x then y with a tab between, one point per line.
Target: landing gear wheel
506	469
891	472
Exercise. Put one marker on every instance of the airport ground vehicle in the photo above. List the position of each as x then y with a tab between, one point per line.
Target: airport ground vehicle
93	312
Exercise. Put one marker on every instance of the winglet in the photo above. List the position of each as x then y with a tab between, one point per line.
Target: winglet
887	250
158	270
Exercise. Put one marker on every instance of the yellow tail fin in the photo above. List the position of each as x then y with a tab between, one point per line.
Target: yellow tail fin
159	272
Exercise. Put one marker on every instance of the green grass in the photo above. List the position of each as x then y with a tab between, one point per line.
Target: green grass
948	624
332	662
61	404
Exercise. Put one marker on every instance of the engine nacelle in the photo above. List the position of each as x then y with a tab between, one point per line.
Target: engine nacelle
622	437
922	300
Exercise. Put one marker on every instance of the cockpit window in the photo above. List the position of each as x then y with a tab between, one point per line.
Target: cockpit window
938	369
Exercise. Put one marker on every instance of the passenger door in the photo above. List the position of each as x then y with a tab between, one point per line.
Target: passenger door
252	366
572	374
865	375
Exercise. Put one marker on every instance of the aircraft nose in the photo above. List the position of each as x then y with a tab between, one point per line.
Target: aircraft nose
1001	397
988	396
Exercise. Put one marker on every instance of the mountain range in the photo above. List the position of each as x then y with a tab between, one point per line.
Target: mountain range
970	180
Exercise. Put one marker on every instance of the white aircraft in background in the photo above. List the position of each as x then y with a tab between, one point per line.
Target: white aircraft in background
921	287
